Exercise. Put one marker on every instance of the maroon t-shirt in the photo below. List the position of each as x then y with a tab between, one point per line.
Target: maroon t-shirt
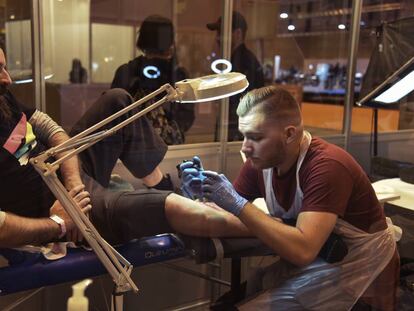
331	181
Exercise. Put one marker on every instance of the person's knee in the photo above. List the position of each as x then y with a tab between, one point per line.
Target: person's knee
116	99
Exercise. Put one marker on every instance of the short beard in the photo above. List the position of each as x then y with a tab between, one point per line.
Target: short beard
5	111
3	89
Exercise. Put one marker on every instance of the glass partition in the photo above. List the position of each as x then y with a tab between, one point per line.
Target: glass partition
300	45
16	40
397	116
196	50
89	45
107	55
303	47
96	38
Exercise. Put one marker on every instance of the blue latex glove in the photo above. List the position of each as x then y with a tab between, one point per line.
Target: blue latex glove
217	188
191	178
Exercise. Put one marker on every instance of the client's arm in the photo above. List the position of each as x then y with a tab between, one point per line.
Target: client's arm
17	231
51	135
199	219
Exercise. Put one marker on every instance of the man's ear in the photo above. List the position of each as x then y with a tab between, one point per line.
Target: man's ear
291	133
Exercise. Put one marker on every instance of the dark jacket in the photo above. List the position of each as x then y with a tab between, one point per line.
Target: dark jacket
138	82
245	62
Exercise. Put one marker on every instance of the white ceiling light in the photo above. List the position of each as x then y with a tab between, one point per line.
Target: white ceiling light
291	27
284	15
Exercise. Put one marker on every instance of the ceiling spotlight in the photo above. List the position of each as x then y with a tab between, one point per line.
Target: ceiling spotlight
291	27
284	15
341	26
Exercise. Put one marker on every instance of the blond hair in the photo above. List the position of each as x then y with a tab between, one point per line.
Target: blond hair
273	102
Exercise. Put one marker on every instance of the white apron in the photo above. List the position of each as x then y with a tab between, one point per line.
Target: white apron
320	285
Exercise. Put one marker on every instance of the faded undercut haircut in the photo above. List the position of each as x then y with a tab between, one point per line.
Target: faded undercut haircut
273	102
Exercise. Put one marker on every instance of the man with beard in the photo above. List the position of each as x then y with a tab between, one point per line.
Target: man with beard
319	188
29	213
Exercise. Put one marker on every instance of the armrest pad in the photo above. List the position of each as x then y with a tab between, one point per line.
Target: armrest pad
79	263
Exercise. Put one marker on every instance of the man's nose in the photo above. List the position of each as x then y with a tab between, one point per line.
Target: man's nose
246	147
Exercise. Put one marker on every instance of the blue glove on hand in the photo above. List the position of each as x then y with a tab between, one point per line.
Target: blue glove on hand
217	188
192	178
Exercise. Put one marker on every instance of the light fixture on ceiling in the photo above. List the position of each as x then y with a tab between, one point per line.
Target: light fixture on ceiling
291	26
284	15
341	26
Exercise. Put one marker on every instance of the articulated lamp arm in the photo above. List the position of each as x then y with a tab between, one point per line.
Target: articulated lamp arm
116	265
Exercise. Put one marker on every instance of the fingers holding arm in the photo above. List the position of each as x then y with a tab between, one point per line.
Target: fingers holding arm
217	188
82	198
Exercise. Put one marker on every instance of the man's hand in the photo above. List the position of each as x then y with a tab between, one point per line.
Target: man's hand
81	197
217	188
192	178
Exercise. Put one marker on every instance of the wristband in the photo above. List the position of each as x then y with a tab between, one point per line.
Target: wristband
61	224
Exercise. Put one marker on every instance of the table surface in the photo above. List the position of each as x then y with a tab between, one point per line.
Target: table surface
383	194
403	191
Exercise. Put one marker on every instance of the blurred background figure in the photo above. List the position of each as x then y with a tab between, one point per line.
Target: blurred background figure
244	61
78	74
156	66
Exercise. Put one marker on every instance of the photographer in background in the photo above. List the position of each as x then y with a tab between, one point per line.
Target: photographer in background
155	67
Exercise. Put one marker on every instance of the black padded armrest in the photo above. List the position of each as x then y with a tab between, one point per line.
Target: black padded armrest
204	249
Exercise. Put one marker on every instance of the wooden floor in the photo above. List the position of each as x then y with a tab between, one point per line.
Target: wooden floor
319	119
328	118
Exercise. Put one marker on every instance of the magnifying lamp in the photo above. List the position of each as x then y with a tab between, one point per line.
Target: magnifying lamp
202	89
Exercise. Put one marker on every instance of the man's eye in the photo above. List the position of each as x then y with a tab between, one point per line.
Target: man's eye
254	138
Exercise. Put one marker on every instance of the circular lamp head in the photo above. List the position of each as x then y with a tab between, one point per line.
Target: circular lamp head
211	87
